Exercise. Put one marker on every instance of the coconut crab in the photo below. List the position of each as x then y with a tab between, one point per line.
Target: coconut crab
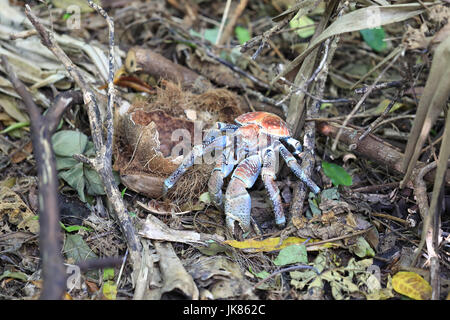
260	135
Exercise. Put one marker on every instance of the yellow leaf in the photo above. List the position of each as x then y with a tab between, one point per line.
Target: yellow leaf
110	290
67	296
411	285
269	244
384	104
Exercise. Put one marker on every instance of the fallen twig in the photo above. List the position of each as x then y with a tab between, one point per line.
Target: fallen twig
102	163
229	28
140	59
373	148
428	229
361	101
222	23
42	127
320	75
374	124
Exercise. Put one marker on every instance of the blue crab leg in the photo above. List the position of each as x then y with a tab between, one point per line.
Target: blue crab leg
237	200
294	144
268	177
291	161
222	126
217	130
223	168
188	161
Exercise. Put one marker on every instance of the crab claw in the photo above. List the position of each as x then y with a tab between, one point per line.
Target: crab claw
238	203
237	206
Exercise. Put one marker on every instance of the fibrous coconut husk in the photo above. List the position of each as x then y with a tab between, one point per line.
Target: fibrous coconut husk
144	146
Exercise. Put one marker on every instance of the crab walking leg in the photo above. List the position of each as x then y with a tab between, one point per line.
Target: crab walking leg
268	177
188	161
296	169
217	131
294	144
237	200
222	126
223	168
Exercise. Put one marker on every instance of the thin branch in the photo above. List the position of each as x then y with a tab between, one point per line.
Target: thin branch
374	124
53	271
230	25
222	23
103	147
361	101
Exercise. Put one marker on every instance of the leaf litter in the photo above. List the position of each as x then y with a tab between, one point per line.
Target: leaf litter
189	252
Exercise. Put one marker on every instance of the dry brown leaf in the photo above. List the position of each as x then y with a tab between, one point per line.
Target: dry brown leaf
19	156
161	208
222	278
175	277
18	212
415	38
436	92
154	229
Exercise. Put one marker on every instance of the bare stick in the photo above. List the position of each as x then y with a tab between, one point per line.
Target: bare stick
262	40
222	23
60	104
53	271
363	98
381	117
23	34
428	228
229	28
308	160
380	86
374	148
102	162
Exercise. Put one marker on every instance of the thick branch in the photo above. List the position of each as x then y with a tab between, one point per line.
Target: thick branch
373	148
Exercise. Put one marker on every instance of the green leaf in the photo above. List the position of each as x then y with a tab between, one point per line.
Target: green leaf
362	248
93	183
66	16
77	249
242	34
205	198
208	34
73	228
374	38
74	177
66	143
303	22
65	163
15	275
122	193
108	274
15	126
313	205
263	274
337	174
330	194
384	104
292	254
